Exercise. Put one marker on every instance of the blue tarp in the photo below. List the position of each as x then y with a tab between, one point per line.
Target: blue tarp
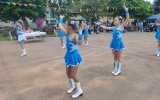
154	17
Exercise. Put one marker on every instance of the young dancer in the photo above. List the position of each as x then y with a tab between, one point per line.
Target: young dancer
157	36
21	37
72	58
86	33
117	44
61	35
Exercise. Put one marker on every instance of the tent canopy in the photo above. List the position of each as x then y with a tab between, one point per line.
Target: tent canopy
154	17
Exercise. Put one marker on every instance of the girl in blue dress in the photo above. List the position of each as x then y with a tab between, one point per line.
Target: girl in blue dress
141	27
21	37
157	36
72	57
86	33
61	35
117	44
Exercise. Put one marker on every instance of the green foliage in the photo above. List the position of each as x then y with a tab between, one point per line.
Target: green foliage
3	38
94	9
4	35
88	8
157	10
12	12
137	8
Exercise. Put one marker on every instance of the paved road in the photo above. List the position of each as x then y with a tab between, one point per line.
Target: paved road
41	74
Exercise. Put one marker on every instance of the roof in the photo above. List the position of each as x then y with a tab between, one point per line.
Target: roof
154	17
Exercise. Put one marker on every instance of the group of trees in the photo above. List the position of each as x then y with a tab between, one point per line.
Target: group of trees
157	9
94	9
12	10
90	8
138	9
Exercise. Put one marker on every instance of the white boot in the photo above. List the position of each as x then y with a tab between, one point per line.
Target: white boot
71	86
158	52
79	91
119	65
86	43
63	45
115	67
24	52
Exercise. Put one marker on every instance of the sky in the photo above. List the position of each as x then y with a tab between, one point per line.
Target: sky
151	1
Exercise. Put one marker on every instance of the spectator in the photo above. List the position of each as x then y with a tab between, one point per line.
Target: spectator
141	27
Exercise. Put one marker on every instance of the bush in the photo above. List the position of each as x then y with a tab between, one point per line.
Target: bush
4	34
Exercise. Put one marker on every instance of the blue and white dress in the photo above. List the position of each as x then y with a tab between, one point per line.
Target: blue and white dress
21	35
117	43
85	32
141	26
61	34
72	57
157	36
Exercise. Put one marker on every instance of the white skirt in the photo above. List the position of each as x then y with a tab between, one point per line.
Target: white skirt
22	38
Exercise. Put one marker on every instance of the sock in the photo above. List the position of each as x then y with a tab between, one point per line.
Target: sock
159	49
87	42
63	44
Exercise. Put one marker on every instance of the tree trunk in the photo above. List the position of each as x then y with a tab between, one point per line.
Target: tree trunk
26	25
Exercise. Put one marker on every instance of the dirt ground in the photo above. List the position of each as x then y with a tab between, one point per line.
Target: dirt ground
41	74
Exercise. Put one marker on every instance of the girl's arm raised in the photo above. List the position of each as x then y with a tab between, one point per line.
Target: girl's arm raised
60	21
80	36
127	16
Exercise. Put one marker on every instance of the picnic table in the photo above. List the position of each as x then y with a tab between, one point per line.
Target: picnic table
32	35
35	35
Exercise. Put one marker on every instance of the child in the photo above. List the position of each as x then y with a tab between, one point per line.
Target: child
141	27
86	33
61	35
117	44
72	57
157	36
21	37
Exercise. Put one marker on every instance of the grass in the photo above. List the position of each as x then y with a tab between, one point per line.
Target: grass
50	35
14	38
7	38
3	39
